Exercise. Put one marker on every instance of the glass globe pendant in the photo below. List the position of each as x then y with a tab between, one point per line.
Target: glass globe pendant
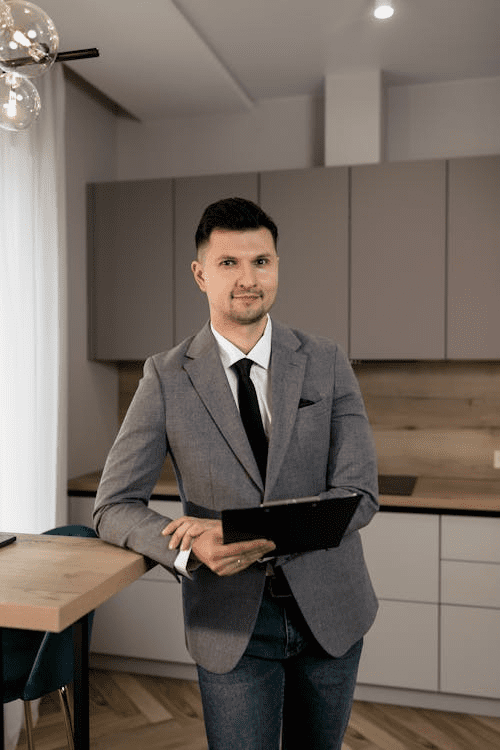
28	39
19	102
29	45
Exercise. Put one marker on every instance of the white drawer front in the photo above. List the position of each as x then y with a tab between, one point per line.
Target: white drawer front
470	651
402	554
144	621
401	649
471	538
470	583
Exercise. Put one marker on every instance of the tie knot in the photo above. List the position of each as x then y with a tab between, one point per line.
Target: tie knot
243	366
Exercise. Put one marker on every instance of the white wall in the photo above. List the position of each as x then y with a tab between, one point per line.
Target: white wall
275	134
93	388
445	120
460	118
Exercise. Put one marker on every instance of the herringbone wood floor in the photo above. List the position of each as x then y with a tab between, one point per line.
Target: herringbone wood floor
135	712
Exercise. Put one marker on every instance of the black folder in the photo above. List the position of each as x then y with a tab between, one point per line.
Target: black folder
296	525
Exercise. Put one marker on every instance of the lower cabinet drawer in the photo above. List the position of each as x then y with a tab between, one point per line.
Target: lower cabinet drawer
401	649
470	651
412	540
466	538
471	583
144	621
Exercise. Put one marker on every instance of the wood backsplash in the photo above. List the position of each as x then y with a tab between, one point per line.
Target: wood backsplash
435	419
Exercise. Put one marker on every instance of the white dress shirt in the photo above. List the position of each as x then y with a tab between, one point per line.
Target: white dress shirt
260	375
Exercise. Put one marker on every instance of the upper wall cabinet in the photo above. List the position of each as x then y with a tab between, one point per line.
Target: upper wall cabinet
192	196
311	209
388	298
131	269
474	258
398	225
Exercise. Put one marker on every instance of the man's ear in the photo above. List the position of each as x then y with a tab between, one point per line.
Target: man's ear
197	269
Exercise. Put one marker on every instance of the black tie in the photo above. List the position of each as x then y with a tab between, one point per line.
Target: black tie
250	414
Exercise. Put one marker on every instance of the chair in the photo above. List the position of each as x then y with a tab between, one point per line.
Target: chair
36	663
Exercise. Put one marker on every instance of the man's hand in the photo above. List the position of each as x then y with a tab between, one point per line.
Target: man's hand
185	529
204	536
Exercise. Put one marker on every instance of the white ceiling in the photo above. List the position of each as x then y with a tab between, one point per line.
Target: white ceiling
185	57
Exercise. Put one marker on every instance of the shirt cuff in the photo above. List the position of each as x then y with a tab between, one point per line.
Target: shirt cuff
181	562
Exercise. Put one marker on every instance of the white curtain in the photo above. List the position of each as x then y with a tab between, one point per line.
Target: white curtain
33	324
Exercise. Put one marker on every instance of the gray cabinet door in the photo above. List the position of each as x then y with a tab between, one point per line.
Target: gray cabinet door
311	209
192	196
131	265
398	260
474	258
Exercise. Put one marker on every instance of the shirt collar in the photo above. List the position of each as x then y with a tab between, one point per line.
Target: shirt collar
260	354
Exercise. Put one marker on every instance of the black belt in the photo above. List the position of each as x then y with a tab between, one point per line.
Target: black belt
276	584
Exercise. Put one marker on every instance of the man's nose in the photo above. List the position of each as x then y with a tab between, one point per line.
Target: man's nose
247	277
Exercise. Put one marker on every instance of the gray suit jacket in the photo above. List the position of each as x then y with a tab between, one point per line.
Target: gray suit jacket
321	445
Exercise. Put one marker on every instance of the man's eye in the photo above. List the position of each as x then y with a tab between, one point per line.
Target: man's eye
262	261
227	262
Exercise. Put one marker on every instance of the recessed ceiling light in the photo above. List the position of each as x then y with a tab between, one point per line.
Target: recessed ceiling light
383	10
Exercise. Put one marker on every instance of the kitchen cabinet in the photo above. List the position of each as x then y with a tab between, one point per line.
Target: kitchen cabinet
192	196
393	260
437	576
398	226
470	651
401	649
311	209
470	612
145	622
130	241
470	584
402	555
474	258
438	582
473	539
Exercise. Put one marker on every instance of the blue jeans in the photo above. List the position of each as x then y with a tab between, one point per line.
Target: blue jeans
284	685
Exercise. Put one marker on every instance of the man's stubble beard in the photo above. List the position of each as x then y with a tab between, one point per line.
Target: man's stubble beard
252	317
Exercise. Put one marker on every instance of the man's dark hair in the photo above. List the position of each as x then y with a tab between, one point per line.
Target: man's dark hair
234	214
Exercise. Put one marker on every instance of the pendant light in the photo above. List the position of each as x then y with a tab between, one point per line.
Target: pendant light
28	39
29	45
19	102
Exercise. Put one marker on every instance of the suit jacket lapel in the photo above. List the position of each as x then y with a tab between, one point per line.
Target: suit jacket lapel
207	375
287	371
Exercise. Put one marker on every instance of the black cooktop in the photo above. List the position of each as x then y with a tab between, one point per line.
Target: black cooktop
396	484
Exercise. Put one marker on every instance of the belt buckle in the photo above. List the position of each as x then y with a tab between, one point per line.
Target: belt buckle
278	585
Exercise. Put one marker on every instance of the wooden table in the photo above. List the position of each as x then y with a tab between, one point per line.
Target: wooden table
51	582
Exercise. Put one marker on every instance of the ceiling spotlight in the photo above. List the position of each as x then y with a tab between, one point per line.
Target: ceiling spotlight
383	9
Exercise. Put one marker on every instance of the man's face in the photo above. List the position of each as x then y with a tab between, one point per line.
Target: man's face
238	271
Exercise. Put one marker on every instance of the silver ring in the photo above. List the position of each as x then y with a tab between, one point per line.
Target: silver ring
238	562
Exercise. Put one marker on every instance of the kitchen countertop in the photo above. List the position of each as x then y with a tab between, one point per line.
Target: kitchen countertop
476	497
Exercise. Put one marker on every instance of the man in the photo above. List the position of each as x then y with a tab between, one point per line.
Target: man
277	643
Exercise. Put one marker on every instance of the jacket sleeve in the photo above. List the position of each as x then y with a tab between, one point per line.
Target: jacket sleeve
121	514
352	464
